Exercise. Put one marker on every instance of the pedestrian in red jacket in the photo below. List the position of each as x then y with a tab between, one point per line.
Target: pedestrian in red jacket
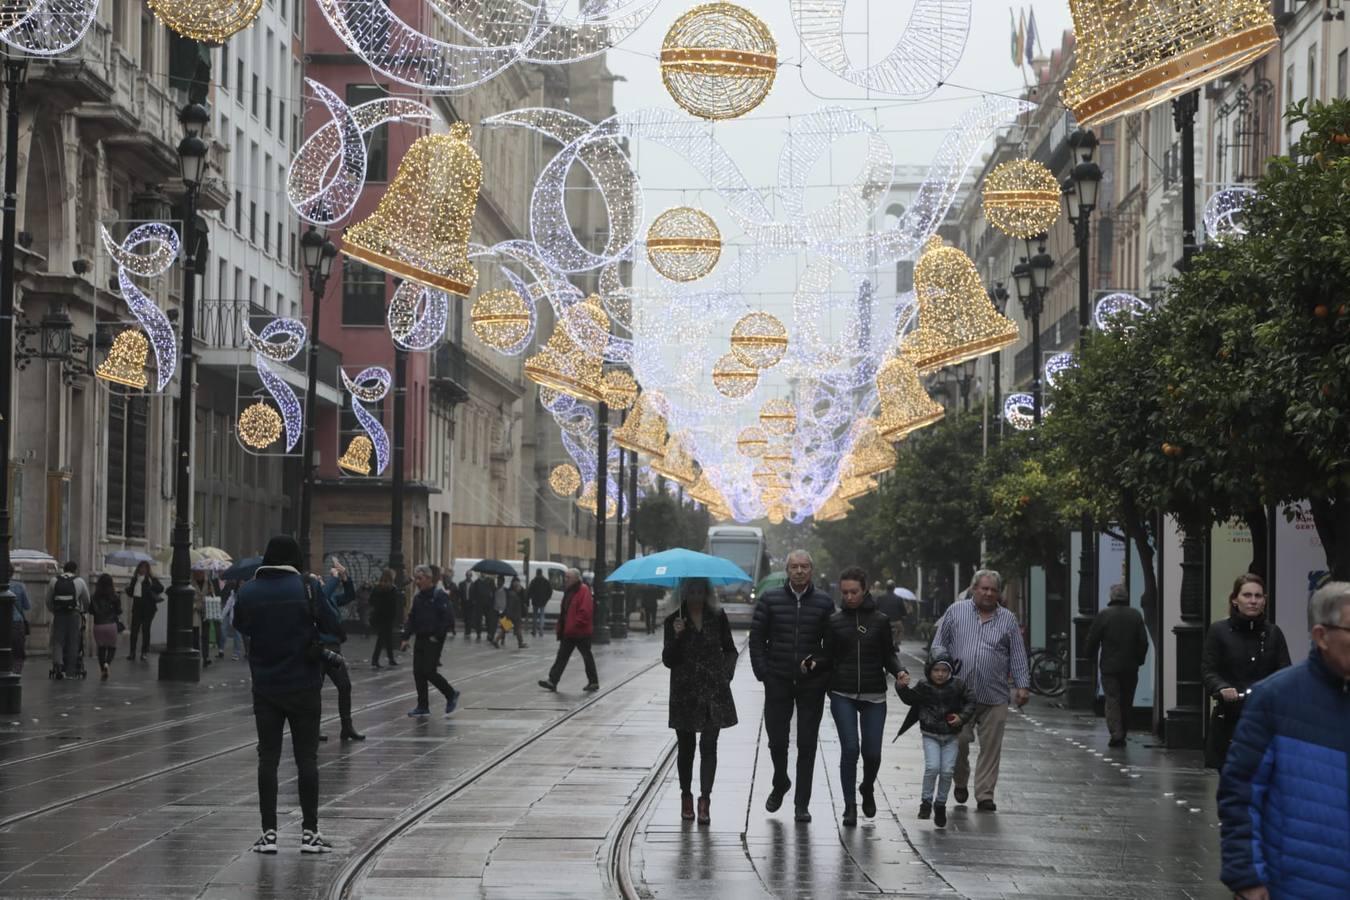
574	632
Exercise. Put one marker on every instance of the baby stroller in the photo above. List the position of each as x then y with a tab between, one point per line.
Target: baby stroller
80	671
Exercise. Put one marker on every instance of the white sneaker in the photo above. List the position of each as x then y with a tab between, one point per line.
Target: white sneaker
313	842
267	843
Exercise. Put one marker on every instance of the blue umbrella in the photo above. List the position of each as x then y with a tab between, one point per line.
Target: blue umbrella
670	567
242	570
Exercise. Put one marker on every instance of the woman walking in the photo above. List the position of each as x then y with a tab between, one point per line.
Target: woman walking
146	593
383	612
513	617
860	651
1239	651
701	656
106	608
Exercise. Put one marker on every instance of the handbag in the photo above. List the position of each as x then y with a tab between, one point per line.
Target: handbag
505	623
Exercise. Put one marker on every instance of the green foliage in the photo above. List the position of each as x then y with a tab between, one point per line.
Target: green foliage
660	523
1029	506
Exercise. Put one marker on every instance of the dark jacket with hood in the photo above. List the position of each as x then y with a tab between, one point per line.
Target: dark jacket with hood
1120	633
702	664
785	630
429	616
861	649
934	702
540	591
281	614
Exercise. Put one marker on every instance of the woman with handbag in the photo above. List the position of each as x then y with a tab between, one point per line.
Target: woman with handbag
106	608
146	593
701	656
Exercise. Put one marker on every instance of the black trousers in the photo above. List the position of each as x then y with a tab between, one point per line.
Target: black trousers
342	680
140	626
272	712
384	640
426	657
565	647
781	698
105	654
1119	691
707	759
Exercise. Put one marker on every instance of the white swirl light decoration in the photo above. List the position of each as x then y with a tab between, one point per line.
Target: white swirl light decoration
808	143
371	385
1224	212
1019	411
50	27
164	245
1116	311
280	341
925	54
417	316
1057	365
292	334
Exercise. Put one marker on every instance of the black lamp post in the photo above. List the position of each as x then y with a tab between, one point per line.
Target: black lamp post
16	71
400	428
180	660
998	295
600	632
618	597
318	253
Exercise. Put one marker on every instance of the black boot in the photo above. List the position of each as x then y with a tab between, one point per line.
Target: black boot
940	815
850	815
925	809
349	732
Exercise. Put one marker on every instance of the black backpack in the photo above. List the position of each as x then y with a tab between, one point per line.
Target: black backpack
64	597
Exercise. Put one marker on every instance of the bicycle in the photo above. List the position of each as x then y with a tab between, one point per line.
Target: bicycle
1050	666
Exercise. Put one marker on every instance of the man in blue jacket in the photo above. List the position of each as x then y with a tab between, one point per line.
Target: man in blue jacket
282	616
429	620
1284	795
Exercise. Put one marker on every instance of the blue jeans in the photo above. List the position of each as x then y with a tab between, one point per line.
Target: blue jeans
851	716
939	761
539	621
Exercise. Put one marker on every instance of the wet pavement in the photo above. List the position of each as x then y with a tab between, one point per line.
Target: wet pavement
132	788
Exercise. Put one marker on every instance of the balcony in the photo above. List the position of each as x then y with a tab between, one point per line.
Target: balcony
222	344
450	373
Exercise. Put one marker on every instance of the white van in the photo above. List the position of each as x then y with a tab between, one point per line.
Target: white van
552	571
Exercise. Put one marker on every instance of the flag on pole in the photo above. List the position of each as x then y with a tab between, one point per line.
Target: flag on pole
1012	34
1021	38
1032	37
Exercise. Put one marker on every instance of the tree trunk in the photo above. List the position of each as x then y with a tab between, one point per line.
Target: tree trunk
1255	518
1140	535
1331	515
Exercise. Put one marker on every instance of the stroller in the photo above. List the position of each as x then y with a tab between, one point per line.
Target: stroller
80	671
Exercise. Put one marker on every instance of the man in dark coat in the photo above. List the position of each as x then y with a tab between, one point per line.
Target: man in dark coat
481	593
428	621
540	592
1119	632
786	649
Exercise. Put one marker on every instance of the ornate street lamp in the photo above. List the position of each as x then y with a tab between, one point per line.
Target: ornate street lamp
317	252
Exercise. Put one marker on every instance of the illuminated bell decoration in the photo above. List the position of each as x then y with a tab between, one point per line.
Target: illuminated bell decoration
644	431
683	244
905	405
619	389
260	425
956	321
564	479
778	416
677	465
1021	198
567	368
732	377
871	454
357	458
852	488
587	502
833	509
752	441
125	364
420	230
201	20
500	319
759	340
1133	54
718	61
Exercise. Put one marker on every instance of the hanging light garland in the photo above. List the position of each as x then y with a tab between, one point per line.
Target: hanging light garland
280	340
905	405
370	385
132	260
125	364
564	480
677	464
732	377
759	340
1021	198
1018	410
1118	310
47	27
778	416
718	61
260	425
417	316
957	320
683	244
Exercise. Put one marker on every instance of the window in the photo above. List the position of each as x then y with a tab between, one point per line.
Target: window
221	282
363	289
254	101
1342	73
267	111
239	75
267	298
119	22
377	151
225	65
281	121
1312	72
127	429
281	238
147	41
904	276
238	212
253	221
267	229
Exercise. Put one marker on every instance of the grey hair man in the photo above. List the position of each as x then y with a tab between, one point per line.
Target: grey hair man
984	639
1284	807
1119	632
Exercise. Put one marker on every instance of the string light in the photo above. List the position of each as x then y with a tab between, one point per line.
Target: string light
1116	311
587	502
417	316
677	464
619	389
718	61
871	454
1133	54
752	441
759	340
1021	198
905	405
48	27
957	320
565	367
204	20
370	385
125	364
778	416
1019	411
259	425
501	319
565	479
420	230
357	458
732	377
644	431
683	244
164	246
1056	366
1225	213
280	340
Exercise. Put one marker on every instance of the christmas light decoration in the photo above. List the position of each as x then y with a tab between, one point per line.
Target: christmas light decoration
718	61
164	245
769	479
752	441
644	431
777	459
370	385
732	377
280	340
565	479
208	21
778	416
1056	366
566	367
871	454
1116	311
420	230
851	488
417	316
683	244
259	425
775	514
1021	198
677	464
47	27
1019	411
501	319
357	458
905	405
619	389
759	340
957	320
125	364
587	502
292	413
1133	54
1225	213
588	325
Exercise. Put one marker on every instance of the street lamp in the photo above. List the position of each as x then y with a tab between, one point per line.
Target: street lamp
1083	144
317	252
998	295
1032	277
180	660
601	630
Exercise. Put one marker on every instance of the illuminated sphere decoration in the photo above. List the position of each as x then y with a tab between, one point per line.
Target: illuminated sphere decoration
501	319
759	340
1021	198
718	61
204	20
683	244
357	458
776	514
957	320
752	441
564	479
619	389
732	377
1133	54
260	425
778	416
125	364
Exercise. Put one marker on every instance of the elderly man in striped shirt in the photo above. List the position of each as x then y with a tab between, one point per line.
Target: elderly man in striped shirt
984	638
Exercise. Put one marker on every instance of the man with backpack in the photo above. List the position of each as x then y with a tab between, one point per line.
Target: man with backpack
67	600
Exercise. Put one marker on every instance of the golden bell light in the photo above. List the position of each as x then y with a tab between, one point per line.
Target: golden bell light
678	463
905	405
587	502
565	367
357	458
619	389
852	488
644	431
956	321
1133	54
871	454
125	364
420	230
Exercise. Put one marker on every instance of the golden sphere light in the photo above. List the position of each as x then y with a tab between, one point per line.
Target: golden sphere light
732	377
752	441
718	61
260	425
125	364
500	319
208	22
357	458
905	405
957	321
564	479
759	340
1021	198
683	244
778	416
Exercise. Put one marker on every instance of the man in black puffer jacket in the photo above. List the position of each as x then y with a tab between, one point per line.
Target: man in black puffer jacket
787	655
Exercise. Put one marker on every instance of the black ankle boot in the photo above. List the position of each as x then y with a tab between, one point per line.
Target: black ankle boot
850	815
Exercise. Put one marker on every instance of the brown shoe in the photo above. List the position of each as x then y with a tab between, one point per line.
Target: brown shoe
703	814
686	805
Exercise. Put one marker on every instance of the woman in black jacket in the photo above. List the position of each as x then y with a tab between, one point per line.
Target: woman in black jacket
701	656
1239	651
106	609
146	593
860	651
383	613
